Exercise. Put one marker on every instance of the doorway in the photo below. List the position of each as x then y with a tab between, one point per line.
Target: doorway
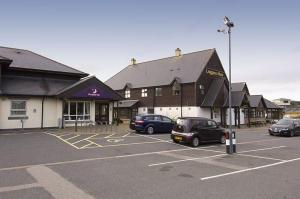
101	112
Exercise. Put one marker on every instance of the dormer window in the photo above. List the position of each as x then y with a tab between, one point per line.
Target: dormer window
176	89
127	93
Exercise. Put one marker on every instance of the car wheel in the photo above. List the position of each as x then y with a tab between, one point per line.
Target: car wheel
195	142
270	133
292	134
223	139
150	130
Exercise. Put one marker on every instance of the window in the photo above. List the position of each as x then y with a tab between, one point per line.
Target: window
18	108
157	118
144	92
127	93
176	88
211	124
202	91
76	110
151	110
158	91
165	119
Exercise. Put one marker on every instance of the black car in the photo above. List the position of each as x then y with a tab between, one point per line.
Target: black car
194	130
285	127
151	123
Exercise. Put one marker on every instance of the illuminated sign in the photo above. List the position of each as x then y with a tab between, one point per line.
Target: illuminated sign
214	73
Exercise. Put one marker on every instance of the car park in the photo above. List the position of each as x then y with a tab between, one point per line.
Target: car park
286	127
194	130
151	123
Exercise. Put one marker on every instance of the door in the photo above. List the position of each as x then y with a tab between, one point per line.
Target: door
101	112
214	131
167	124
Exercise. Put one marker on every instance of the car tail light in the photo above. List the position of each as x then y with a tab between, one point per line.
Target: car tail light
139	122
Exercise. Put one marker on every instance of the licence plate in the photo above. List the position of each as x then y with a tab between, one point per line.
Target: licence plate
178	138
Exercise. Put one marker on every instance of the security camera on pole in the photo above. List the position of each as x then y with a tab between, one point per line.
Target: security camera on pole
229	24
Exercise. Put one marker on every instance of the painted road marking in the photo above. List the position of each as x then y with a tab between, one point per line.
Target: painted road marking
135	143
261	157
250	169
115	140
192	159
92	159
18	187
56	185
71	137
110	135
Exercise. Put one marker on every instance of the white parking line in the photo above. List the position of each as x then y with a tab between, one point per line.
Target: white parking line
261	157
184	160
110	135
126	135
224	154
250	169
18	187
137	143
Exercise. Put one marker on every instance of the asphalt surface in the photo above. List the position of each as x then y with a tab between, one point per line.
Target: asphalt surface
135	166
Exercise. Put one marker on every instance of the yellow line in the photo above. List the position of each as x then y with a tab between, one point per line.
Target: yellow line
113	145
72	137
86	145
66	134
109	135
64	141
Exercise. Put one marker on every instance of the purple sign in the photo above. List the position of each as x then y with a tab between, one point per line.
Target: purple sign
93	92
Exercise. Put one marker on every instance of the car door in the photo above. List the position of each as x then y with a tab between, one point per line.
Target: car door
214	131
297	127
157	122
167	124
203	130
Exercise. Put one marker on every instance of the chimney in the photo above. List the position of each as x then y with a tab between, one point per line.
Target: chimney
177	52
132	61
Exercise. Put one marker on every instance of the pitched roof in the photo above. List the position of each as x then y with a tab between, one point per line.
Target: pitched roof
213	92
238	86
25	59
237	99
187	68
127	103
271	105
33	86
254	100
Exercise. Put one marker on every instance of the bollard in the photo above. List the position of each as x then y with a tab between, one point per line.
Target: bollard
227	142
233	142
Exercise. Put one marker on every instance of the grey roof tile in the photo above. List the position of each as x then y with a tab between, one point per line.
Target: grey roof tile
271	105
237	99
187	68
25	59
254	100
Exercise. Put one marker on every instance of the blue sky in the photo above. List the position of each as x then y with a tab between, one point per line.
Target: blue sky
100	37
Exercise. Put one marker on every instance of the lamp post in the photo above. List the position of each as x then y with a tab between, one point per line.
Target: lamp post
229	24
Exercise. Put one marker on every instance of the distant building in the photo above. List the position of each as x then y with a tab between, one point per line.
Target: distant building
291	107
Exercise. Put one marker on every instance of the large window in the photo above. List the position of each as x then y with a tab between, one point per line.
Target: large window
158	92
144	92
76	110
176	88
18	108
127	93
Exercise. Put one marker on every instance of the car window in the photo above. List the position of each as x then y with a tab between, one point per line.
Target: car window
165	119
196	124
157	118
211	124
148	118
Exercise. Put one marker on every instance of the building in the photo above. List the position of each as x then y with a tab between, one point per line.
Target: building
193	84
37	92
290	107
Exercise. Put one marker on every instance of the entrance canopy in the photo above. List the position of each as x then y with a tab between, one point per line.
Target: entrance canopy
89	88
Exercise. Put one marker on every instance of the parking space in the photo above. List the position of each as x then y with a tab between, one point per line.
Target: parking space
132	165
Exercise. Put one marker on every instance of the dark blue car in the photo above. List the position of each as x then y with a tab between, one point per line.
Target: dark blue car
151	124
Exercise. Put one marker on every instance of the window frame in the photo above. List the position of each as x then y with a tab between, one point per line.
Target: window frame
144	92
85	116
127	93
158	91
12	110
176	88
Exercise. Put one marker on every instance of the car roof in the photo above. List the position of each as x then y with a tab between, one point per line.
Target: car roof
194	118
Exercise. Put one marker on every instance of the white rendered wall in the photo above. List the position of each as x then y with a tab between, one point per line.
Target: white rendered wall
33	111
242	116
51	107
142	110
110	118
187	111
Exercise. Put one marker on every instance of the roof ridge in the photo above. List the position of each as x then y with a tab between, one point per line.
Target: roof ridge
159	60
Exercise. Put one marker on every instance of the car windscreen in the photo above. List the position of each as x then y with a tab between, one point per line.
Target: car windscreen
182	125
137	118
285	122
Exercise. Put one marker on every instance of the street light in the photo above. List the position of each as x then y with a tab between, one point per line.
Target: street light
227	30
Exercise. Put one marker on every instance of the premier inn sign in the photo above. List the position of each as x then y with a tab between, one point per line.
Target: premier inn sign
214	73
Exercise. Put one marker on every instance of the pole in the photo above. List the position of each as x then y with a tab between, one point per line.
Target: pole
230	115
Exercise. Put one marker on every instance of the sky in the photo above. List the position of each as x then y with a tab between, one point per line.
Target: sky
100	37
